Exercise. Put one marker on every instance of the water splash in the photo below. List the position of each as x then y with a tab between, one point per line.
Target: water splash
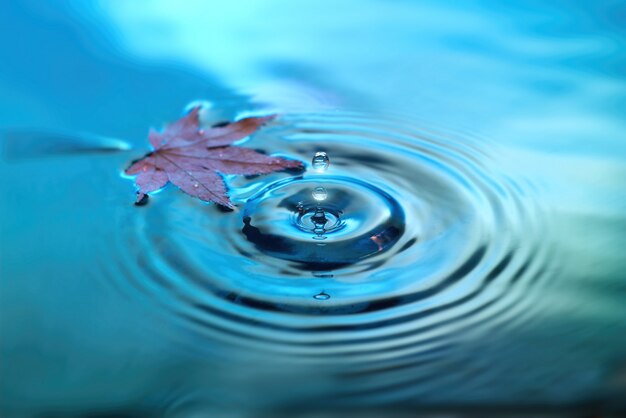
281	219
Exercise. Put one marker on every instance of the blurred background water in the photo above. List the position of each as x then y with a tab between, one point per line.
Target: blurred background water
498	128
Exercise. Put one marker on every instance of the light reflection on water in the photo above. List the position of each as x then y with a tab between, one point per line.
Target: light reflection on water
496	131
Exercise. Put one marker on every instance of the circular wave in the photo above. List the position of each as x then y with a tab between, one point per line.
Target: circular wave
322	223
427	241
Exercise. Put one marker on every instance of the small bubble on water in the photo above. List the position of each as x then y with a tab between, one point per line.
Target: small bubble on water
322	296
319	193
320	161
196	185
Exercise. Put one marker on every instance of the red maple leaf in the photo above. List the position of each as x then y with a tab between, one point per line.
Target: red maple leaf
192	158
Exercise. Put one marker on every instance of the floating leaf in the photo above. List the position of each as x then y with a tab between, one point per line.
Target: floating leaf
192	158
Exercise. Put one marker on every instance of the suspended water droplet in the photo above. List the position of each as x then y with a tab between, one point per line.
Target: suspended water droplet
319	193
320	161
322	296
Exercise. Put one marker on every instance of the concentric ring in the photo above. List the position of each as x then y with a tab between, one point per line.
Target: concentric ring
354	221
466	261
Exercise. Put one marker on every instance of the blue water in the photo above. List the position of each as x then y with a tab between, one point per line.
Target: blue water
472	260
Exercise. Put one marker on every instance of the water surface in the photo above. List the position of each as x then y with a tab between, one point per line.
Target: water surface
473	251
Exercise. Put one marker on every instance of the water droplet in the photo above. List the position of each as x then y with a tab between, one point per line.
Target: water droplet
319	194
320	161
196	185
322	296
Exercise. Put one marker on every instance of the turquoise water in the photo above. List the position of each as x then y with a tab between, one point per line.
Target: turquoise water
473	258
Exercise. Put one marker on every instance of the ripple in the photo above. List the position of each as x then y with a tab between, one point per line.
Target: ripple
358	221
427	242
